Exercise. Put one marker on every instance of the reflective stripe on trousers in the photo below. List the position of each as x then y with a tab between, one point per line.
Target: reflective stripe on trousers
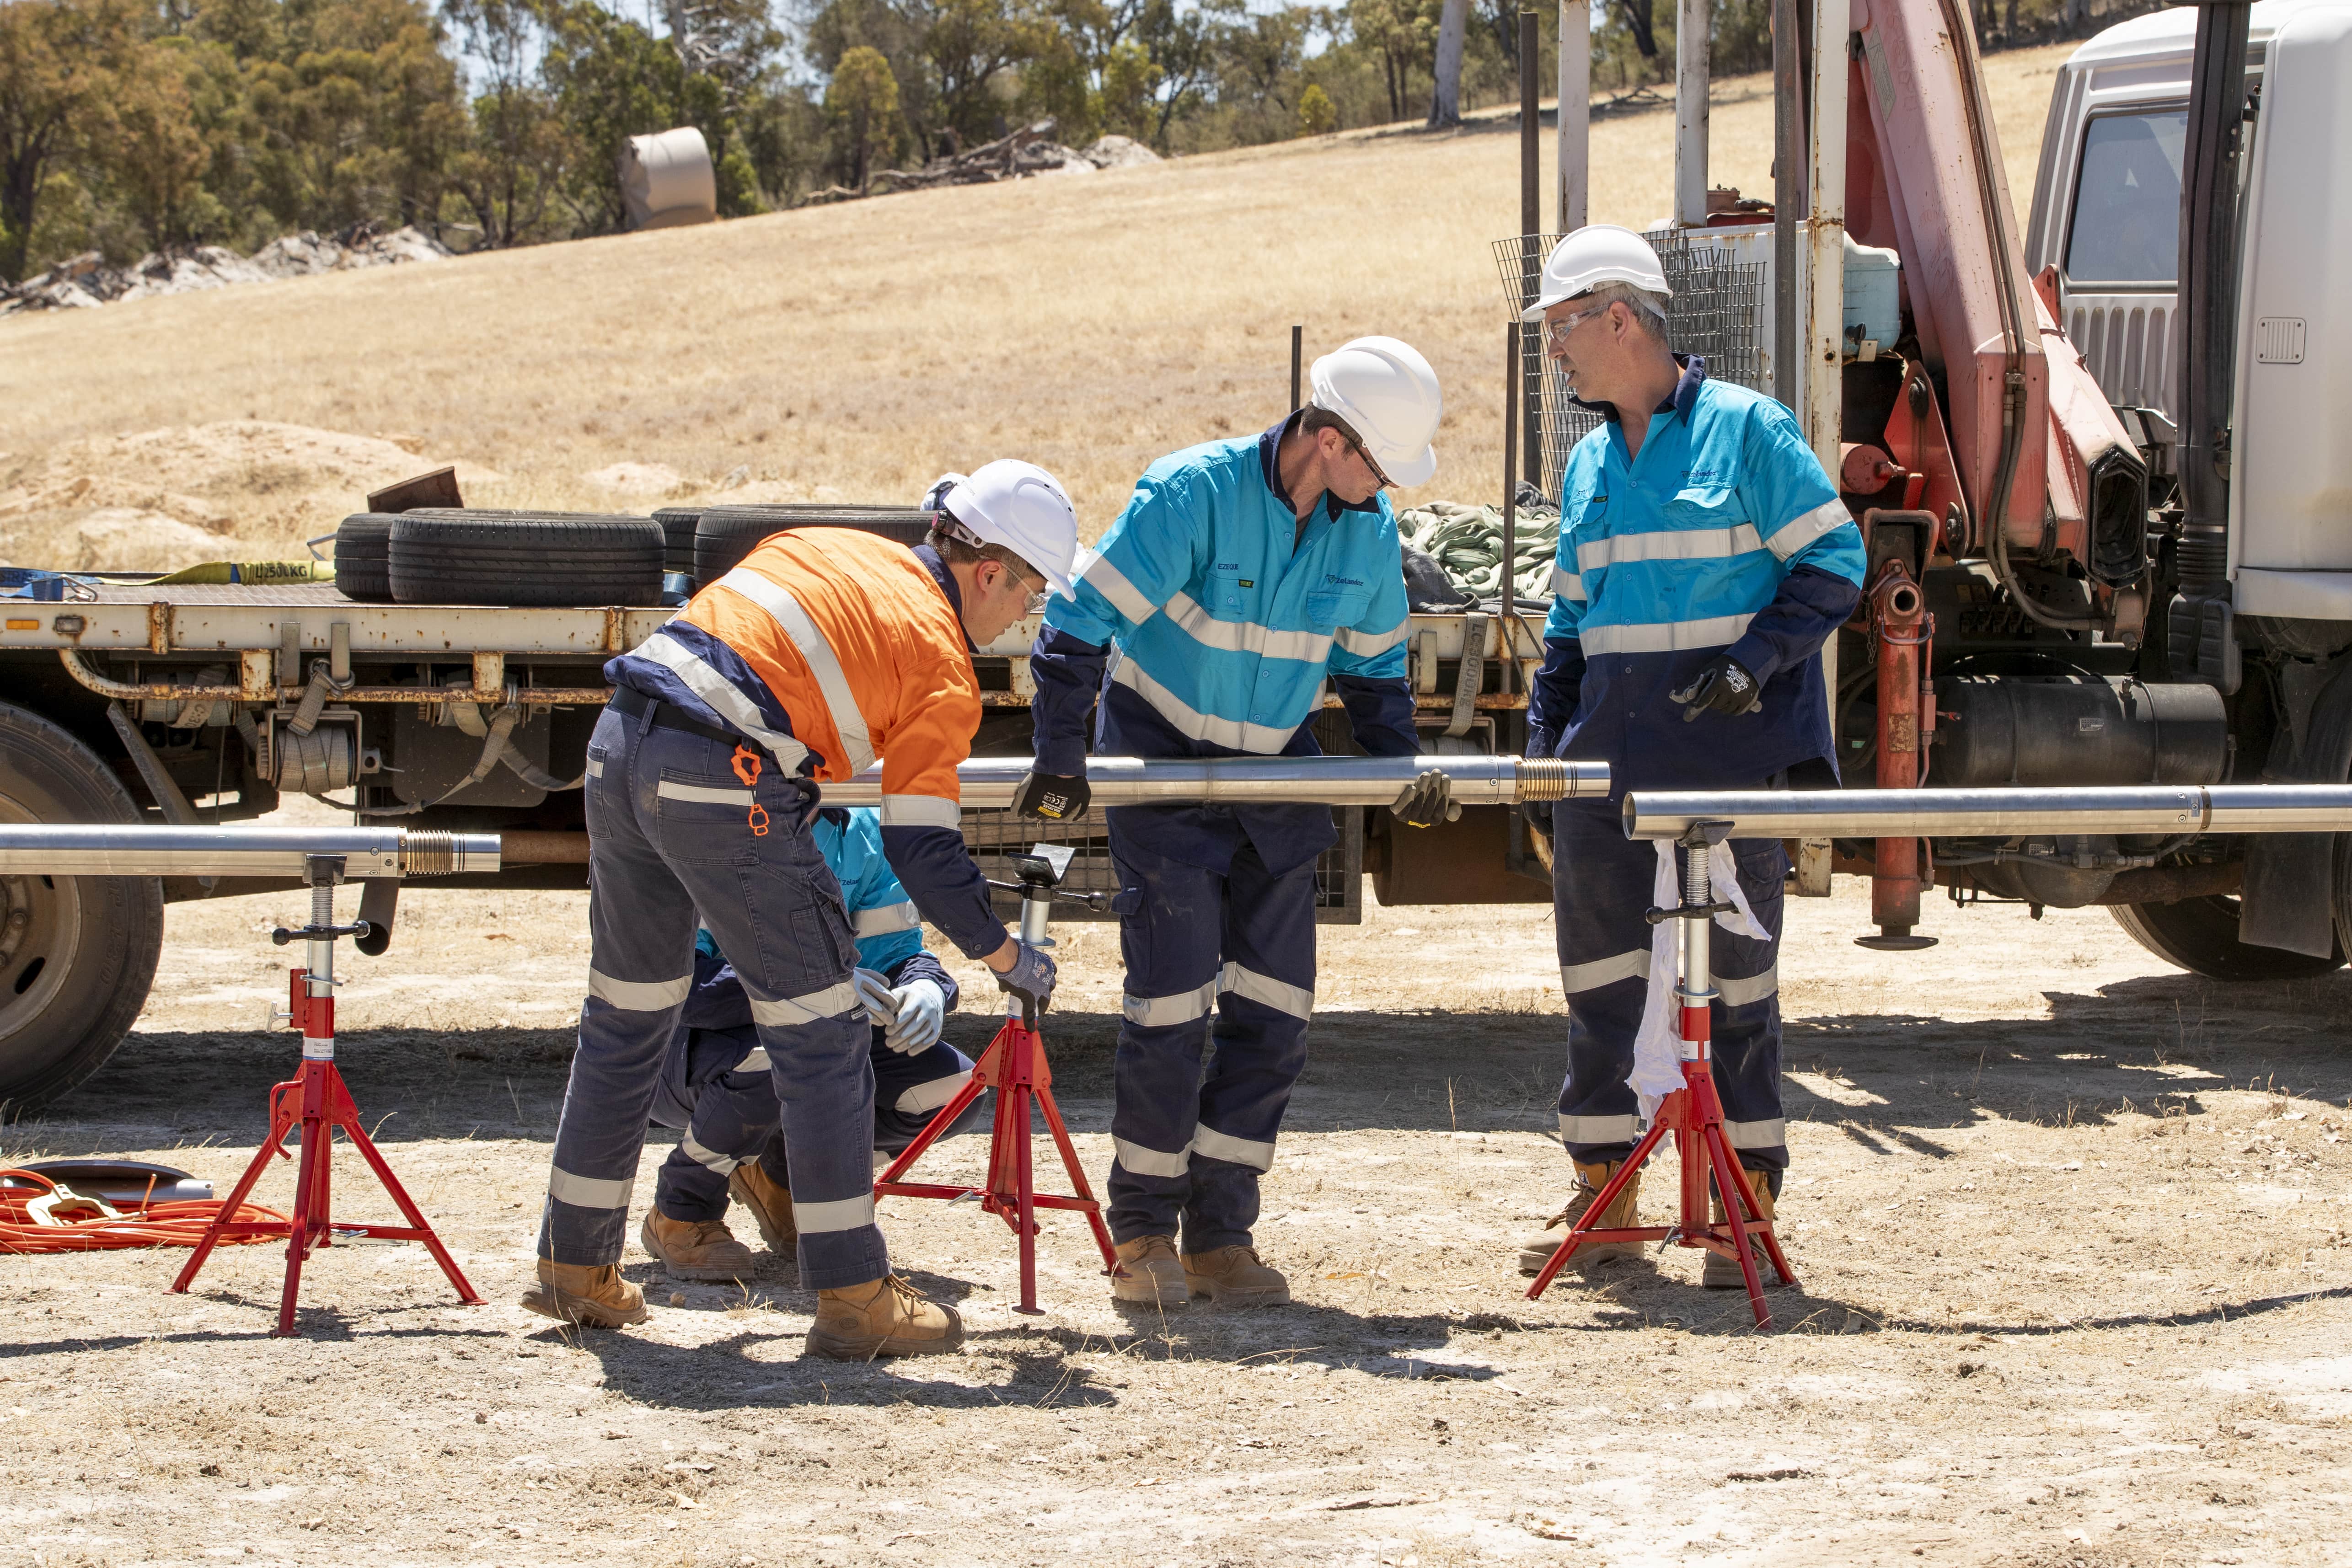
732	1117
657	858
1237	949
1602	885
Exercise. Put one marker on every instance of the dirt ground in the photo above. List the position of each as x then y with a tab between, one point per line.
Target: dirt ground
2070	1226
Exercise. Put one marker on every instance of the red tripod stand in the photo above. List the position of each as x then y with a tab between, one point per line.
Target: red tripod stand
316	1098
1693	1113
1015	1066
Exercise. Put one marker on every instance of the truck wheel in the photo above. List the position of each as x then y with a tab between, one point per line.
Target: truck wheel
77	953
2200	934
362	573
446	558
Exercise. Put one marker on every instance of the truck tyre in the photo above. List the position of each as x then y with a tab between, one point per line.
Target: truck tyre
452	558
727	533
362	571
2200	934
678	537
77	953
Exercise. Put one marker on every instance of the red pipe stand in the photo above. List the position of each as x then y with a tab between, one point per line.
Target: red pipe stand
1693	1114
1015	1066
315	1097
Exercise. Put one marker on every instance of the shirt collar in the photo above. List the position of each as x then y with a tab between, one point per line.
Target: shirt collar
1684	395
1269	452
945	579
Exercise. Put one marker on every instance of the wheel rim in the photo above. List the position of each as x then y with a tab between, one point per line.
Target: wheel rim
40	932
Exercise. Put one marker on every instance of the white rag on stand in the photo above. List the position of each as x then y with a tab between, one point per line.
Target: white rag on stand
1657	1049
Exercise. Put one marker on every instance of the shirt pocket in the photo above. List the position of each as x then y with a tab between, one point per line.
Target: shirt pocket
1226	589
1328	609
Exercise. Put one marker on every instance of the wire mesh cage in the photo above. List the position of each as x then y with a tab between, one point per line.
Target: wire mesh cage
1716	313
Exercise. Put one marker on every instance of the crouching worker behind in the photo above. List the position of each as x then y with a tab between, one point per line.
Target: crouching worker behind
717	1087
822	651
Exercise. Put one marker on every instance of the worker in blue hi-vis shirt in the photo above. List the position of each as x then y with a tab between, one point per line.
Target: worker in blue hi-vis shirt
1703	558
716	1085
1243	575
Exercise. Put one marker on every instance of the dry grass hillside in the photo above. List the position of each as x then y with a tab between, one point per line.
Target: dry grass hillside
1089	323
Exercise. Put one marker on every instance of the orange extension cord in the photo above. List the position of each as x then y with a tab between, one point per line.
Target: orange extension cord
147	1225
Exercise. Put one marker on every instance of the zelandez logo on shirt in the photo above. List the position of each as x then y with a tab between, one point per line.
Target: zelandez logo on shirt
1333	580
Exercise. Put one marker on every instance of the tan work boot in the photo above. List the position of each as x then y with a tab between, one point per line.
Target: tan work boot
694	1248
1148	1272
578	1293
1235	1276
882	1317
1537	1250
770	1205
1721	1273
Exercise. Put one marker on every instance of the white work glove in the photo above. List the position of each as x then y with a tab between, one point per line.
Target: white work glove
922	1013
873	990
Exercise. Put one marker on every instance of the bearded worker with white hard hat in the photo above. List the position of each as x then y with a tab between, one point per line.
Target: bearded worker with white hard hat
1242	574
824	650
1703	558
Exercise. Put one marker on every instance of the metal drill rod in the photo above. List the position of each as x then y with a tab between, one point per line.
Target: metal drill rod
989	782
73	849
2171	810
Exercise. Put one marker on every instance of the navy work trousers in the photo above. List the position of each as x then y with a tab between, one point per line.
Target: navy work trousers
1602	884
724	1097
670	834
1191	1145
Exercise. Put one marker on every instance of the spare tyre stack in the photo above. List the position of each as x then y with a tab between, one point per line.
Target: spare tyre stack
727	533
362	568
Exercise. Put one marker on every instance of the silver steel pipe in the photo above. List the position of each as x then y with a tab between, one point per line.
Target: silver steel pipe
67	849
989	782
2170	809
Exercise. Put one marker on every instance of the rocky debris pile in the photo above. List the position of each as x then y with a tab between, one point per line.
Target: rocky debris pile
1026	152
86	280
240	489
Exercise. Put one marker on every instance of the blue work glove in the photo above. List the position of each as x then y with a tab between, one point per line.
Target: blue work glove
922	1013
1723	686
1030	977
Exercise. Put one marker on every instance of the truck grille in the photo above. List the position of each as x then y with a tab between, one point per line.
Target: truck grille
2127	345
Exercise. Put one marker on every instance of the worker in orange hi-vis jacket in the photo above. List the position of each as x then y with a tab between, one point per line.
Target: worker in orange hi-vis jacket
824	651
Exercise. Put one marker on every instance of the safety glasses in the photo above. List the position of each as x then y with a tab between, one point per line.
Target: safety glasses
1556	332
1379	481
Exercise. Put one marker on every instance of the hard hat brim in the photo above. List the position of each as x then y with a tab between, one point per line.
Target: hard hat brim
1407	472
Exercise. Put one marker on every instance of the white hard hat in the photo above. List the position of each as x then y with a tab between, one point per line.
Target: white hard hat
1388	394
1592	256
1021	507
939	491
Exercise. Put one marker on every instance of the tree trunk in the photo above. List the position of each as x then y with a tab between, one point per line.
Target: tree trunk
1445	93
1638	21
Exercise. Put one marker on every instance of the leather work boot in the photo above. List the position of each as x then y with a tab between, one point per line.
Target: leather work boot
882	1317
770	1205
1148	1272
1537	1250
1235	1276
1721	1273
578	1293
694	1248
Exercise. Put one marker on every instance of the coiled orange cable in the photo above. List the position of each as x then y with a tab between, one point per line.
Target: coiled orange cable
180	1224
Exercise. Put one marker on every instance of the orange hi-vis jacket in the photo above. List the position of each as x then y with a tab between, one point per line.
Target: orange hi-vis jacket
850	635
